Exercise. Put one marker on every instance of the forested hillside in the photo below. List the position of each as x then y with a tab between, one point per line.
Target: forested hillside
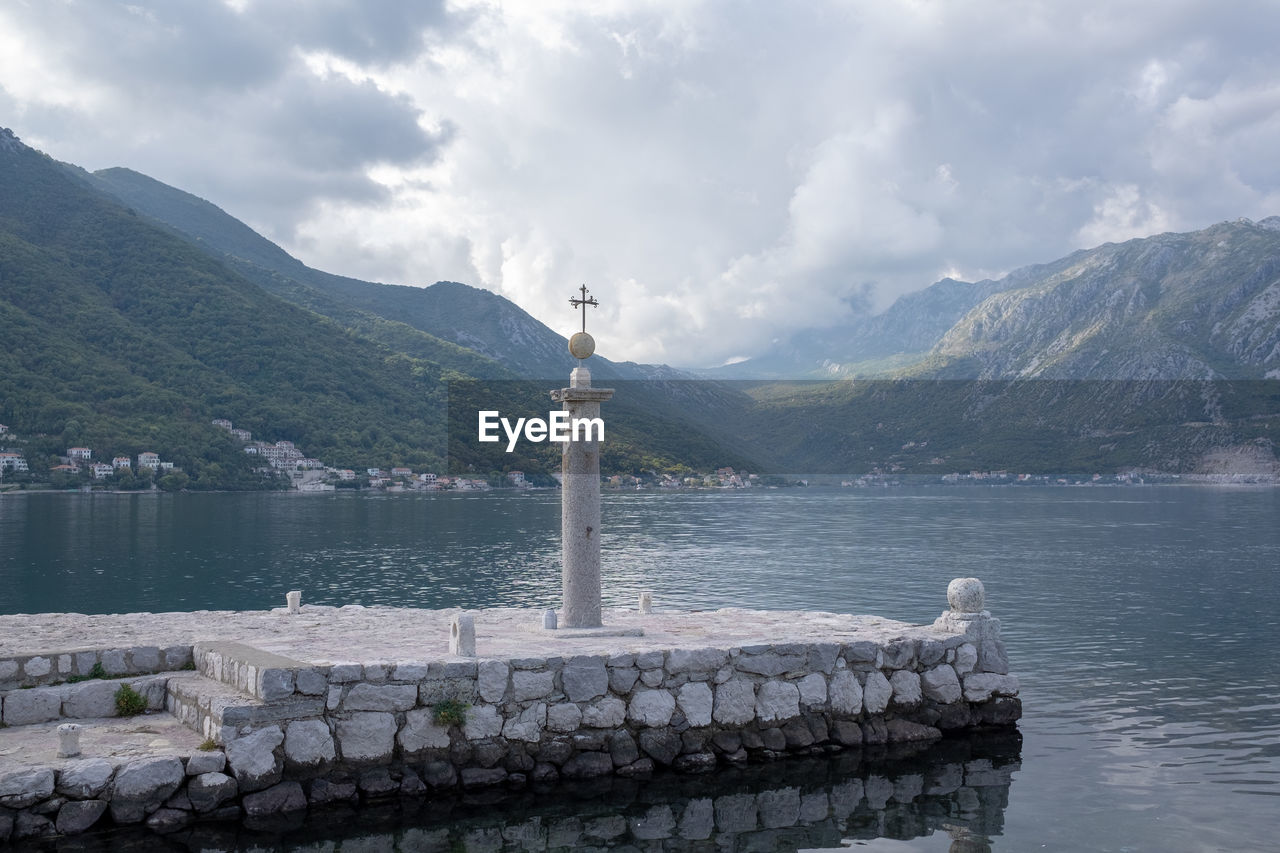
120	335
466	328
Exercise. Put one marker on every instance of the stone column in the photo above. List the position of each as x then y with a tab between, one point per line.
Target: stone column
580	503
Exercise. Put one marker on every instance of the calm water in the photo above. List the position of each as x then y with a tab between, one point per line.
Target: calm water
1144	622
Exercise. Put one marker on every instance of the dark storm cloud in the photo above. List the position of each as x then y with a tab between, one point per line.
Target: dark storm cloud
221	102
333	122
156	49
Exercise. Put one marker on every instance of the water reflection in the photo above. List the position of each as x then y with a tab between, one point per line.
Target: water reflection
950	796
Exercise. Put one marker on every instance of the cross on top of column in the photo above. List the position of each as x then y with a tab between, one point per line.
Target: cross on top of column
584	302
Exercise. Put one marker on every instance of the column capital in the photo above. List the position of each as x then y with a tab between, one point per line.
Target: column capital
581	395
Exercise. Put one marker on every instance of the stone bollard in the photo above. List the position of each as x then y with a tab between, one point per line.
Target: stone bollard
646	602
966	596
68	740
967	614
549	619
294	600
462	636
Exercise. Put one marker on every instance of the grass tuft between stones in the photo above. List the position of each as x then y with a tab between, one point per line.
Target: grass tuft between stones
451	712
208	745
129	702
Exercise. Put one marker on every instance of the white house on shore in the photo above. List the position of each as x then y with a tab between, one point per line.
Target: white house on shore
82	453
12	462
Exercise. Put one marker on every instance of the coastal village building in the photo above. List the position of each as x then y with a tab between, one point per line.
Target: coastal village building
12	462
121	462
282	455
222	422
3	429
401	472
148	460
242	434
516	478
101	470
83	453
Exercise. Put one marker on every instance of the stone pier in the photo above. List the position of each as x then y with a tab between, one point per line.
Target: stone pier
296	710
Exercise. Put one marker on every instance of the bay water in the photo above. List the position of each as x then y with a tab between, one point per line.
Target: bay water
1143	622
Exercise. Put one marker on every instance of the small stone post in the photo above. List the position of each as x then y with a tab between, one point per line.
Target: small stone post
462	636
580	502
68	740
293	600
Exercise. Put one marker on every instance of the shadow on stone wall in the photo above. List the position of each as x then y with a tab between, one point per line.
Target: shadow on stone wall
959	786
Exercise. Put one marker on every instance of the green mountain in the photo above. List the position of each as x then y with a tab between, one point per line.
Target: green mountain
125	338
266	264
121	335
458	321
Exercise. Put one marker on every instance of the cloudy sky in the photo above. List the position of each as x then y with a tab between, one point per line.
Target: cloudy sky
720	174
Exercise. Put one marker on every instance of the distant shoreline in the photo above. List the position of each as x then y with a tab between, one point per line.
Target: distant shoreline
1185	481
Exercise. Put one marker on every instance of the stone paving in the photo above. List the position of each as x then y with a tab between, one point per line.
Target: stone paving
329	635
117	739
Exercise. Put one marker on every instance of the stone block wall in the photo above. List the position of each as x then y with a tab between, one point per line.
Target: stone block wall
36	670
165	792
542	718
83	700
958	789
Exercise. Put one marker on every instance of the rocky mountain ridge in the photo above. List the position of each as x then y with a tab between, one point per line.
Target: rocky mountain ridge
1199	305
1196	305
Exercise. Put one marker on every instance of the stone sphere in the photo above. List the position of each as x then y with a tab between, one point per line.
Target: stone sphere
581	345
966	595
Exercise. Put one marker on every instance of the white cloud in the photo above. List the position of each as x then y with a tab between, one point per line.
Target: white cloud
1122	215
719	174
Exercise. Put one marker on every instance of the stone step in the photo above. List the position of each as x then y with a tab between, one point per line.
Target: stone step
45	669
222	712
118	740
81	700
254	672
